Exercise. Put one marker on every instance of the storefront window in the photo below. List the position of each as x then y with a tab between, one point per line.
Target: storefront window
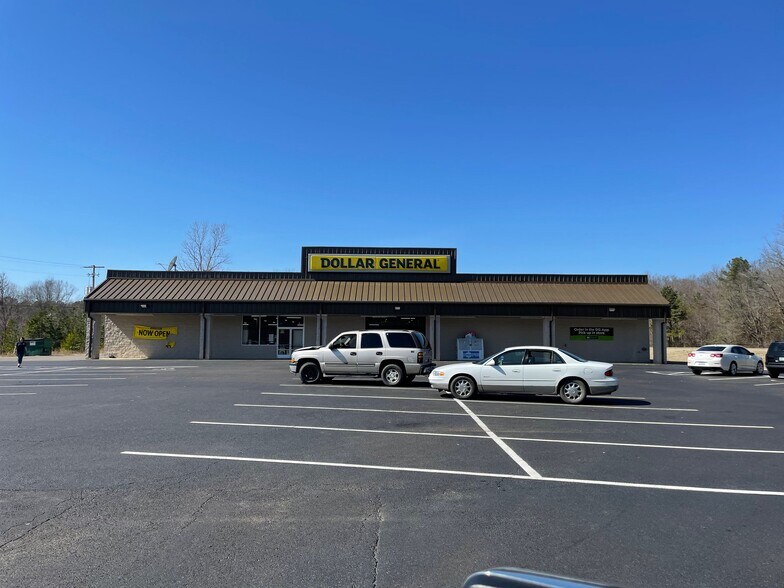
265	330
259	330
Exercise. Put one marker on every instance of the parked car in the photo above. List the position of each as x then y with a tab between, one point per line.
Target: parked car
528	370
730	359
396	356
774	359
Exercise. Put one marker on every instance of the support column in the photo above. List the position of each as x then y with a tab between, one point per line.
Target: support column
547	331
437	344
202	335
94	336
318	329
207	335
659	341
431	332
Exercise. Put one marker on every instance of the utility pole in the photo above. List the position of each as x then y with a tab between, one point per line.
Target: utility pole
92	273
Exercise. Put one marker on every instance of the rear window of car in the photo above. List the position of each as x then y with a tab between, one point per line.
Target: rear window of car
777	348
371	341
711	348
422	340
401	340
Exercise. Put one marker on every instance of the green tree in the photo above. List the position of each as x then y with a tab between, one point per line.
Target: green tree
678	315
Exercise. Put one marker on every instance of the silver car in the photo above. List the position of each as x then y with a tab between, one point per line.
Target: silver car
396	356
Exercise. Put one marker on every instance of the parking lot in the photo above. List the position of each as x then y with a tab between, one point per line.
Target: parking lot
232	472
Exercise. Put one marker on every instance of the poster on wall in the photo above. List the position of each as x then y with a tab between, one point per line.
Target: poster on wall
153	333
591	333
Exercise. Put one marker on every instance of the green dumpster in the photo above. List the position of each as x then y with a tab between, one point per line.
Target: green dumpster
39	346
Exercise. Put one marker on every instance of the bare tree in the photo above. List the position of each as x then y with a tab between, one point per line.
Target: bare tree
9	302
204	248
49	292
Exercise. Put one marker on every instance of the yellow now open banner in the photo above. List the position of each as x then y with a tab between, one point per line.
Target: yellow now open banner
158	333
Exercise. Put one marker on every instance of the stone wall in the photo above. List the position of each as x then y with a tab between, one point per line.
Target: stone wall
119	341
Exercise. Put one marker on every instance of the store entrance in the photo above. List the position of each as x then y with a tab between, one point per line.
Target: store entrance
410	323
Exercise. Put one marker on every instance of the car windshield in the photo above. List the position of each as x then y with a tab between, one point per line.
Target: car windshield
777	347
572	355
711	348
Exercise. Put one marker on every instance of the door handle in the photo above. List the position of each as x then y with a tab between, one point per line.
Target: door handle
379	353
556	369
353	353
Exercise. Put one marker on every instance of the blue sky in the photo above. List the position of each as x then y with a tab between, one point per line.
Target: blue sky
555	137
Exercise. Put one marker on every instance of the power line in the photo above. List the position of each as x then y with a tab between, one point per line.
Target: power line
41	272
39	261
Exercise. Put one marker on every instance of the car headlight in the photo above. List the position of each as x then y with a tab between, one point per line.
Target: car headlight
439	374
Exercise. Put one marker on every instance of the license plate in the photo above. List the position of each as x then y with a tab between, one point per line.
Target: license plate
781	358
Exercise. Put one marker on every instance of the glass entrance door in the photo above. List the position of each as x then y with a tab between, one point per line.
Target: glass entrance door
289	339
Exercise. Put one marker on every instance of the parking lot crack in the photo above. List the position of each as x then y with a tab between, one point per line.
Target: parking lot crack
196	512
34	527
377	540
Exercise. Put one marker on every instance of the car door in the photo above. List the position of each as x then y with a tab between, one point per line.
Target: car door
506	375
370	353
541	371
740	358
748	358
341	356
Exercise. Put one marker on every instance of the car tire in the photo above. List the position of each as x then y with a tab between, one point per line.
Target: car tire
760	369
462	387
310	373
573	391
733	371
774	374
393	375
696	371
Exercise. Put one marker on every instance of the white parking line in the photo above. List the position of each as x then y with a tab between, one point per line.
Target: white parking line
42	385
731	379
18	393
506	449
343	430
496	402
85	379
483	437
771	384
458	473
671	373
504	416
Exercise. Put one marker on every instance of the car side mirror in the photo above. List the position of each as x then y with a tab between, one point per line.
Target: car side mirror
490	362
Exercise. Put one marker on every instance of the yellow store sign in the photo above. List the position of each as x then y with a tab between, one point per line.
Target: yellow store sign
155	333
379	263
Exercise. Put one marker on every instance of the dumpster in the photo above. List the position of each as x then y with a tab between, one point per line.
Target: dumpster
39	346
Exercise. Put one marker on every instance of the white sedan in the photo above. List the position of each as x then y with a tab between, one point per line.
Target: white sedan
730	359
527	370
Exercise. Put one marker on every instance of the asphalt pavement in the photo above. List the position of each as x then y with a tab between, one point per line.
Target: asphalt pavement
224	473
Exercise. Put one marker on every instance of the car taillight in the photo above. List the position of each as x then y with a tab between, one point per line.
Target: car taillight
692	355
717	355
420	357
608	373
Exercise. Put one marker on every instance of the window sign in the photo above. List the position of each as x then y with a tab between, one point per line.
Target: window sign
591	333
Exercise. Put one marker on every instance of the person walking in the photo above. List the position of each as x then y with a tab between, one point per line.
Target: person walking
21	349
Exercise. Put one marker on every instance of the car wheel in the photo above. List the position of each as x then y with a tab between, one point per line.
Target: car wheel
760	369
310	373
462	387
773	374
696	371
392	375
573	391
733	371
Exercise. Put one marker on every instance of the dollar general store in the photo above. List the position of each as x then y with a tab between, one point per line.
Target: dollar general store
263	315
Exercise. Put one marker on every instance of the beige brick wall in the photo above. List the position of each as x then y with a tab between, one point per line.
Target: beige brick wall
119	341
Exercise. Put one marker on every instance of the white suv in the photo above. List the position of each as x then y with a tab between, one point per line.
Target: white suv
394	356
